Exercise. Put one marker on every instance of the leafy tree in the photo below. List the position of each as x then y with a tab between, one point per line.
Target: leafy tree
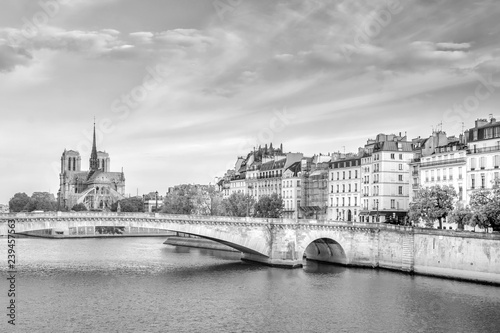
132	204
179	200
238	204
18	202
432	203
461	216
485	206
208	201
269	206
79	207
41	201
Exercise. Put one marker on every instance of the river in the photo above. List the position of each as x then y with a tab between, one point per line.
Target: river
142	285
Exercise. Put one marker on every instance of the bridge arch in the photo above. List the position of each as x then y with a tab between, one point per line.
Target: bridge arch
331	247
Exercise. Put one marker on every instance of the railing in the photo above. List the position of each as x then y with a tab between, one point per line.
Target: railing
483	150
443	162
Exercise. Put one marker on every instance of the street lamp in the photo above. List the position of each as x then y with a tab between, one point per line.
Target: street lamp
156	197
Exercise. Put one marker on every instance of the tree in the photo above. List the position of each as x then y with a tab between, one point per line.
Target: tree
133	204
239	204
461	216
269	206
18	202
41	201
433	203
485	206
79	207
179	200
208	201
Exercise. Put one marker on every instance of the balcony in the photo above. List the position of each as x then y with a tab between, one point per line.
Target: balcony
444	162
483	150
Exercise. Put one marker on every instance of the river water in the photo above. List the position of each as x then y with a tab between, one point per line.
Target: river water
141	285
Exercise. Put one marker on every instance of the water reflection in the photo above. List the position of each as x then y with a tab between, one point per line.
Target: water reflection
312	266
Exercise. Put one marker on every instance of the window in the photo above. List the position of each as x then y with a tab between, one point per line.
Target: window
400	190
400	166
400	156
349	188
474	135
497	131
355	173
343	174
349	174
349	201
483	180
473	163
460	193
343	201
459	172
355	201
488	133
298	183
331	189
343	187
355	187
472	181
392	156
400	178
482	163
393	203
496	161
337	188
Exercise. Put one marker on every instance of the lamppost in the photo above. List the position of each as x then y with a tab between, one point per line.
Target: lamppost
377	210
143	202
156	197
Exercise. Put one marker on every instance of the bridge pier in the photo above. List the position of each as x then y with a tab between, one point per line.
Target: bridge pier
282	263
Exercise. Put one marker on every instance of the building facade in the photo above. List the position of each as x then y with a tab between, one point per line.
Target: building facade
385	179
344	188
291	190
483	155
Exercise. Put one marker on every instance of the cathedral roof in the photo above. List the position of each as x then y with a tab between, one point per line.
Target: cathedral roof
103	177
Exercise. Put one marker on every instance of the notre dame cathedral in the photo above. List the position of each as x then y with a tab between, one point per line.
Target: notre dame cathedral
97	188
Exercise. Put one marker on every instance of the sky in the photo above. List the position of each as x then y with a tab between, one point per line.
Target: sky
180	88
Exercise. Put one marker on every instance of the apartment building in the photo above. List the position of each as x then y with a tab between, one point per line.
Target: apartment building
344	185
291	190
385	179
483	155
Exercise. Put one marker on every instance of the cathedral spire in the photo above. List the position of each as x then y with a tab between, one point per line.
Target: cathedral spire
94	163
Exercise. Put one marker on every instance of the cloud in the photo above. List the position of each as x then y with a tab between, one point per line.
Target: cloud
453	46
11	57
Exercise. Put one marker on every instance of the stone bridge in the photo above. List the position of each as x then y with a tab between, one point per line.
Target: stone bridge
285	242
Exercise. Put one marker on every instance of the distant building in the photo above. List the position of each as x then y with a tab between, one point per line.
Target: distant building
314	200
483	155
291	190
439	160
344	187
97	188
385	177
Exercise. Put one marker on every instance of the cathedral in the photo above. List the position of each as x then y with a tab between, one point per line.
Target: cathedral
97	188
